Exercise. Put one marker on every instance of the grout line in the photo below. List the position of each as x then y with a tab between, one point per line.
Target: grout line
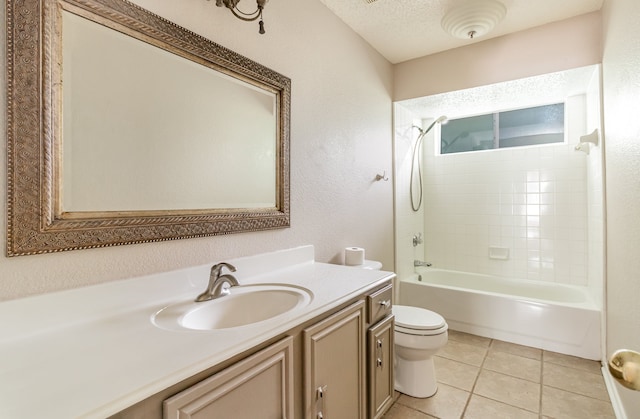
608	400
473	387
539	410
574	368
541	384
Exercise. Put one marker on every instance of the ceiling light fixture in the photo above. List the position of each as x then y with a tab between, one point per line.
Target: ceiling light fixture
249	17
473	19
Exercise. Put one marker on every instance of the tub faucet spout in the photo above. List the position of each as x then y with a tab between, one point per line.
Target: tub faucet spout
417	263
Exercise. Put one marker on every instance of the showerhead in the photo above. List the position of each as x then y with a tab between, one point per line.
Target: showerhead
442	120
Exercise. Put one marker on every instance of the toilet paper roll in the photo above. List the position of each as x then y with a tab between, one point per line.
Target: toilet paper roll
353	256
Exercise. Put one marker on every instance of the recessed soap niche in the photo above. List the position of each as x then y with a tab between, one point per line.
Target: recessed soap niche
500	253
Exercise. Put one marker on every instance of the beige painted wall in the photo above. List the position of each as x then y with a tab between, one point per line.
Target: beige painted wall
621	87
340	139
545	49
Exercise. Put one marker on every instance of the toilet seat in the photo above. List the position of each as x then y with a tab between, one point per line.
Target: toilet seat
418	321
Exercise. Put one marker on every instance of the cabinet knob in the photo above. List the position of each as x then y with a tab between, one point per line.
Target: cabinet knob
379	362
385	303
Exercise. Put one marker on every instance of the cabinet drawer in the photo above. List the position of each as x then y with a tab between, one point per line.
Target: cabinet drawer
379	304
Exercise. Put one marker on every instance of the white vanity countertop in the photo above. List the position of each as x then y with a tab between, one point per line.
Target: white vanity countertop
92	352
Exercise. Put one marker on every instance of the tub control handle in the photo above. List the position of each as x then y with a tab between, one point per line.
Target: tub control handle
385	303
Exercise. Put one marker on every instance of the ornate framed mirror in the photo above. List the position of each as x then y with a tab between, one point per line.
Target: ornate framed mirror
126	128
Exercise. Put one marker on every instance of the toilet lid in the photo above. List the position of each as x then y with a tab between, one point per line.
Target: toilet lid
417	318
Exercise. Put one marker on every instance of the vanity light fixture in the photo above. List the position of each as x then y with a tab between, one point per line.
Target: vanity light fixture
249	17
473	19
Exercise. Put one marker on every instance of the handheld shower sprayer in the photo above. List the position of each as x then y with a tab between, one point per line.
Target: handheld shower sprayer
418	148
441	119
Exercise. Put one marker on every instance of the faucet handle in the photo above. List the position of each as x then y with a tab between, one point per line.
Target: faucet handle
217	268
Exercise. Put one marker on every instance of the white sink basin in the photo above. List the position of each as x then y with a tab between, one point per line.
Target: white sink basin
246	305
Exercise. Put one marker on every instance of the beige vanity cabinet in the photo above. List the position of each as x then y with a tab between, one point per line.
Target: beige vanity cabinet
380	358
260	386
334	366
380	368
338	365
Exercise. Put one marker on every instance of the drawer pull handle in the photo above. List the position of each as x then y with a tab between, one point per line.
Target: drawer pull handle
385	303
321	395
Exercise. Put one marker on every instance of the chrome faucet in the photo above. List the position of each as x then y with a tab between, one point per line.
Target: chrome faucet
216	288
417	263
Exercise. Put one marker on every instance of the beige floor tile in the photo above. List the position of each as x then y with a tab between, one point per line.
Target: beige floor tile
483	408
572	361
574	380
510	390
399	411
448	403
558	403
520	350
505	380
463	352
514	365
455	373
469	338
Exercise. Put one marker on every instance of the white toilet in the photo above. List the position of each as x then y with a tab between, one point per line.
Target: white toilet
419	334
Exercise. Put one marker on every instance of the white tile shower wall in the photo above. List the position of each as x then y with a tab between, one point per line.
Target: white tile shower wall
595	193
408	222
532	200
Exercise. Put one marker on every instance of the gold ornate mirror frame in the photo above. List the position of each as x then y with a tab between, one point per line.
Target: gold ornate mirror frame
35	223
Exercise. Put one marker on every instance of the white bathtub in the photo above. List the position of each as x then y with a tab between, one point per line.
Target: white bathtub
555	317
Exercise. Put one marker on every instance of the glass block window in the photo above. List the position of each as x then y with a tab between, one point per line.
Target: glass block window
517	128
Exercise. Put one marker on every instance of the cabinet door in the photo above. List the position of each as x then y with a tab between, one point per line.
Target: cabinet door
260	386
334	366
380	343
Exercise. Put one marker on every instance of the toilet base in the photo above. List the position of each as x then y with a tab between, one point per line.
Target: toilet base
415	378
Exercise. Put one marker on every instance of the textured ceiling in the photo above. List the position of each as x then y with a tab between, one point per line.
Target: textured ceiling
405	29
532	91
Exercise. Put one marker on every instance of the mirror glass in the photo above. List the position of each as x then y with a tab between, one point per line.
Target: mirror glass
136	130
144	129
